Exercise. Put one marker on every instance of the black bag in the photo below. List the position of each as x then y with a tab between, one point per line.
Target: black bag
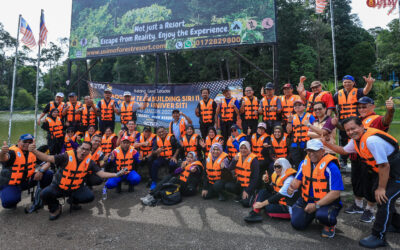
170	194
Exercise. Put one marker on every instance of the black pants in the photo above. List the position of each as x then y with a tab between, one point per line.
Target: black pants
252	124
343	140
93	180
55	145
214	189
188	188
297	154
106	124
204	127
51	194
236	188
363	180
226	130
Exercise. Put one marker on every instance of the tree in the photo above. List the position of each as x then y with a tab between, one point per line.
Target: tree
24	100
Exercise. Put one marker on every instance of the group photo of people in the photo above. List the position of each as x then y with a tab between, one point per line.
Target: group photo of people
278	156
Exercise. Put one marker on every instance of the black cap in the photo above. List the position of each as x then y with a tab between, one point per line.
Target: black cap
225	89
175	111
235	127
365	100
72	94
147	128
270	85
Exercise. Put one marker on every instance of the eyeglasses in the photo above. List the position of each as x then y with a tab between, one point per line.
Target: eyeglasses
363	107
277	166
318	109
315	87
27	141
85	149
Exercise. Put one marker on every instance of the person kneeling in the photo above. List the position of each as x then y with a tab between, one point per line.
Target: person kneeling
275	202
73	167
321	182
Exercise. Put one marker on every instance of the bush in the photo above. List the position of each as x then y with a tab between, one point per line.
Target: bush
24	100
45	96
4	103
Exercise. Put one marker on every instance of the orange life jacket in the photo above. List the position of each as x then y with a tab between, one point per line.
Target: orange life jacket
124	160
363	151
280	148
277	182
146	150
243	169
132	137
269	115
249	107
96	155
88	116
126	112
89	137
22	169
55	127
320	184
186	170
167	152
107	111
182	127
60	107
311	101
106	143
67	143
213	169
191	144
210	142
73	175
300	131
72	112
347	105
227	110
257	145
231	148
367	121
288	106
206	111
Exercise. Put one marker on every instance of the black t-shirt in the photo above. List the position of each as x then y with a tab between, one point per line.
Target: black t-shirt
11	158
360	93
61	161
214	108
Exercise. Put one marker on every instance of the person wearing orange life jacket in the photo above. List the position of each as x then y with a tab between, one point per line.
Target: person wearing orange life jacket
317	95
72	112
109	141
287	101
91	131
56	104
270	107
321	183
211	138
54	127
213	176
73	167
280	143
165	153
296	124
177	126
206	110
246	168
232	145
128	108
379	151
227	113
191	142
70	140
274	198
89	114
130	131
124	157
18	172
249	109
98	157
106	109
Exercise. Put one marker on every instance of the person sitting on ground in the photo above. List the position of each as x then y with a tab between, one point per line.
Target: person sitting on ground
212	137
321	182
191	142
123	157
129	131
97	156
70	140
213	183
108	141
145	146
18	173
232	145
275	199
54	127
279	144
260	142
91	131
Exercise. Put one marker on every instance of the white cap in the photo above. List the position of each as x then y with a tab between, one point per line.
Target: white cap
59	94
127	93
315	144
262	125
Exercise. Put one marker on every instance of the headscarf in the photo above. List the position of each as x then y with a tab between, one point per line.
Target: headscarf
280	128
285	165
247	144
212	148
193	155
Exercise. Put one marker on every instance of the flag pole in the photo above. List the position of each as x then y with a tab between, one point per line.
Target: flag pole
13	83
37	79
333	44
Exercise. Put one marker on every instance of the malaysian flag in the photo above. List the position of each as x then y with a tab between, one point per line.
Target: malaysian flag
28	39
320	6
43	31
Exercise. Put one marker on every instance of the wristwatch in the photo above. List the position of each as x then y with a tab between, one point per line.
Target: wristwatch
317	206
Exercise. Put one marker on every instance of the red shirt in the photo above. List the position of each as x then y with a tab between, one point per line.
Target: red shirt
327	99
378	123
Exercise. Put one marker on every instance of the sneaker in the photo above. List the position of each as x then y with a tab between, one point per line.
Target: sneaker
153	185
253	217
372	242
367	216
354	209
328	232
118	188
149	201
131	188
221	197
146	197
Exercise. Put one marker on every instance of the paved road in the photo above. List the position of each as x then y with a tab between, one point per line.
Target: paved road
121	222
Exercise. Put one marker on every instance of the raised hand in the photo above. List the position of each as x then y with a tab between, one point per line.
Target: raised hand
390	104
5	149
121	133
369	79
32	146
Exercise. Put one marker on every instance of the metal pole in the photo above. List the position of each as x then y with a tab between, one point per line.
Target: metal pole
13	83
37	82
333	45
155	86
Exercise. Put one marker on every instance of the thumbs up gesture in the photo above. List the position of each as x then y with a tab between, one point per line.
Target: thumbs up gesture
4	148
32	146
390	104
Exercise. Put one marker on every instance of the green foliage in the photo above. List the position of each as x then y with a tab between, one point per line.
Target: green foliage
383	91
27	78
45	96
362	57
4	102
24	100
304	62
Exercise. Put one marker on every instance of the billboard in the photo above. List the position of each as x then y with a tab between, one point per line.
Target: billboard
101	28
165	98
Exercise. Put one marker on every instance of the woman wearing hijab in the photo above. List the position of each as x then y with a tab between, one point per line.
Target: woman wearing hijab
246	170
275	199
213	183
211	138
54	127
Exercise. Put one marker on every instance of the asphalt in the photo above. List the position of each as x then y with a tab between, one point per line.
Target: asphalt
122	222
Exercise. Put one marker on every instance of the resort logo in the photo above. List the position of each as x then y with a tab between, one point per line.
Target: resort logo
383	4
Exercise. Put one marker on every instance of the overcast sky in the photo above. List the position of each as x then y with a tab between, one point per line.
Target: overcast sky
58	16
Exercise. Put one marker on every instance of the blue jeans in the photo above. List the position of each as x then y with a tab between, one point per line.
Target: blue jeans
133	178
11	194
159	162
326	214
